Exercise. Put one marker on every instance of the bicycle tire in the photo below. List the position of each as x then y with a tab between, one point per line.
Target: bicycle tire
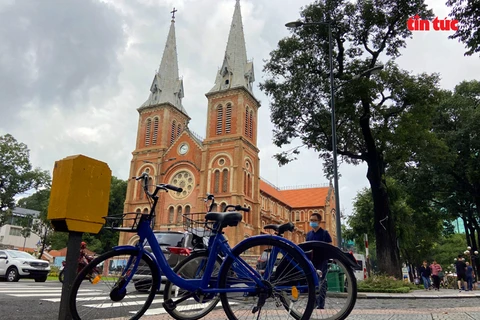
328	252
303	264
125	252
177	314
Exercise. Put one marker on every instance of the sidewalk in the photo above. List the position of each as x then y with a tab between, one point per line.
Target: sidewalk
421	294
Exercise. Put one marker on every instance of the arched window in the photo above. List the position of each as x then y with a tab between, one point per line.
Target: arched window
179	214
251	124
145	210
223	205
225	180
297	216
216	182
246	122
138	210
147	132
172	136
155	131
179	130
219	119
228	119
214	208
171	215
245	182
250	216
187	209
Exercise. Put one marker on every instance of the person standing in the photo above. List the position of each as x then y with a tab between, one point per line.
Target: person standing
425	273
461	269
435	268
469	276
319	234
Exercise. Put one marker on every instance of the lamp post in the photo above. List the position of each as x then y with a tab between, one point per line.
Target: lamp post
473	258
296	24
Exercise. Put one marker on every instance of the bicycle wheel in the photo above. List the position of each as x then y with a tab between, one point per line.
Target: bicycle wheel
107	295
338	285
197	305
294	283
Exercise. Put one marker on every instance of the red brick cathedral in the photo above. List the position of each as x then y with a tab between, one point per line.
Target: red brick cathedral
226	162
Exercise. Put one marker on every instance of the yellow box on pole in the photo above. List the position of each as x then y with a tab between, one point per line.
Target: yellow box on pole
79	195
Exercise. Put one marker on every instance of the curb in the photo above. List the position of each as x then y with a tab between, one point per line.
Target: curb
364	295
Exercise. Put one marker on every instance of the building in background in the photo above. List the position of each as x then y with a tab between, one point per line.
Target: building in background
11	232
224	163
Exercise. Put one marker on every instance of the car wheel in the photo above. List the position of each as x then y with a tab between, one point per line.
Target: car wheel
42	279
12	275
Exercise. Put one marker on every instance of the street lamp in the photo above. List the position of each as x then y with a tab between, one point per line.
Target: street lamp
474	256
296	24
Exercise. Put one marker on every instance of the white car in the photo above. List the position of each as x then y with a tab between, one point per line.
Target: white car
18	264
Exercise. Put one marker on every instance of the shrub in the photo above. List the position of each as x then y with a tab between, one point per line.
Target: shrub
383	283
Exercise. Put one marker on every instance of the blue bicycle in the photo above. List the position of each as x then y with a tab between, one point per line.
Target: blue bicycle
232	276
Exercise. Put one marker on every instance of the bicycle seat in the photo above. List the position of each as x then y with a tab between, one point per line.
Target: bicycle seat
280	228
225	219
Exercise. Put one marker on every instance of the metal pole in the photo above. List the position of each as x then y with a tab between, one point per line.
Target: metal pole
334	142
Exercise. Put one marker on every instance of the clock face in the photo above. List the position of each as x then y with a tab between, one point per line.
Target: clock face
183	148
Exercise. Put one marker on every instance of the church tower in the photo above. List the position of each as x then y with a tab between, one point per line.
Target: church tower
162	119
230	168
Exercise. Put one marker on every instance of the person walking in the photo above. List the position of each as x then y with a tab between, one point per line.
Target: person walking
319	234
425	273
469	276
461	269
436	268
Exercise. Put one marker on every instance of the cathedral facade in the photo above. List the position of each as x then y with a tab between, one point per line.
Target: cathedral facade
225	163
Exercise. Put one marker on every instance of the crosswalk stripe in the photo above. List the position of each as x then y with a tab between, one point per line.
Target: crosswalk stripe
50	294
96	298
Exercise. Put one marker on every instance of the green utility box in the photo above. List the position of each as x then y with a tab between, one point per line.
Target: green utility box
335	279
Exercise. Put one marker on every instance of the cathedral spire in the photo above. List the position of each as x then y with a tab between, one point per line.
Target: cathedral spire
166	86
236	71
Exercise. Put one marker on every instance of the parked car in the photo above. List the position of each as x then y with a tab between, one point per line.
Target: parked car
15	265
175	246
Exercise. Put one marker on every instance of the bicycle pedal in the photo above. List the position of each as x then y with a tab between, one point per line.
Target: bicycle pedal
169	305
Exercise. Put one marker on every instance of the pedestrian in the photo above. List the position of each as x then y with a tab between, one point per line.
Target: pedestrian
469	276
435	268
425	273
319	234
461	269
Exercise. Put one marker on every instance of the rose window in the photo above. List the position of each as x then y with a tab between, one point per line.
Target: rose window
184	180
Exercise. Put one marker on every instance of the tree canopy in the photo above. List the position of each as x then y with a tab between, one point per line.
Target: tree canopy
16	173
467	13
378	116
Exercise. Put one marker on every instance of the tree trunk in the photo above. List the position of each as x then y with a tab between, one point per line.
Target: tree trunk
385	234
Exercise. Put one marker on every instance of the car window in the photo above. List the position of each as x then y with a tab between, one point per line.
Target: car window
20	254
170	239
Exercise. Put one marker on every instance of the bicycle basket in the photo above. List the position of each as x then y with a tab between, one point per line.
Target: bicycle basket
195	223
127	222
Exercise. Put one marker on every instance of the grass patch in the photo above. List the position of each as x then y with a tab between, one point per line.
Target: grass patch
385	284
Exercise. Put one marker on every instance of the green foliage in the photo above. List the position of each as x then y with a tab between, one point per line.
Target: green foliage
58	240
377	116
384	283
418	228
447	249
41	227
16	173
468	15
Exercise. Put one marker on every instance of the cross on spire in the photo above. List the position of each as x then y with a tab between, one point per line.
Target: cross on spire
173	12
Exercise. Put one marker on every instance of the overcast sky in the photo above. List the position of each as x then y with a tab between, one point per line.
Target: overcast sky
73	73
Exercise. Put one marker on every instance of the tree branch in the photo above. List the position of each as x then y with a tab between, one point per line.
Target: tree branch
352	155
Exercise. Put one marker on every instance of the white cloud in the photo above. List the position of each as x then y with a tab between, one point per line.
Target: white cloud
73	74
